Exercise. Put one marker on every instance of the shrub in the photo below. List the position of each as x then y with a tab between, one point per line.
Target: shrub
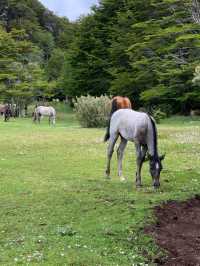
159	115
165	108
92	111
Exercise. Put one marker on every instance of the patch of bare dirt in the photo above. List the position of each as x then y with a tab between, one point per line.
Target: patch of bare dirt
178	232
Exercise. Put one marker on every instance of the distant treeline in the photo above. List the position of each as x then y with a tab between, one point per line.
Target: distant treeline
33	47
144	49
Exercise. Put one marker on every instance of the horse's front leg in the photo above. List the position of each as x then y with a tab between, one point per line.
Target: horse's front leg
6	117
120	153
110	150
140	153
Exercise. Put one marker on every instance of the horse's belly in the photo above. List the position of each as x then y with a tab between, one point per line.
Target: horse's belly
131	134
127	134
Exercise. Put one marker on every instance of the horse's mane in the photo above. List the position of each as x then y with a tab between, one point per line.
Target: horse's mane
155	141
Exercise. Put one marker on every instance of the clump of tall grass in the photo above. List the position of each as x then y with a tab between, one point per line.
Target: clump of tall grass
92	111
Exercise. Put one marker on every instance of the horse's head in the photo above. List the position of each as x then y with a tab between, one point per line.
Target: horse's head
155	164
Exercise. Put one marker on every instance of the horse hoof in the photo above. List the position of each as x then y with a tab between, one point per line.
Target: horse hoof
107	175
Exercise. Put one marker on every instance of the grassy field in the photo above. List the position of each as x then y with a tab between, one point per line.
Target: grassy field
56	207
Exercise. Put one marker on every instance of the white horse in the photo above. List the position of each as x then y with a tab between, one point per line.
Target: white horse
41	111
139	128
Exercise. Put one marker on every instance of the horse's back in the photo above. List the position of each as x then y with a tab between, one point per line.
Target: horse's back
46	110
130	116
129	124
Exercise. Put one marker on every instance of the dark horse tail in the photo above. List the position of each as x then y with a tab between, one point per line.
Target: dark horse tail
114	108
107	135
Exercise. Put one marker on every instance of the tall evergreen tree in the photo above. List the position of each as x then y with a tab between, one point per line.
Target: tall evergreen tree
21	76
144	49
50	35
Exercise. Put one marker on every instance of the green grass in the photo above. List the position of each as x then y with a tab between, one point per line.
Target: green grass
56	207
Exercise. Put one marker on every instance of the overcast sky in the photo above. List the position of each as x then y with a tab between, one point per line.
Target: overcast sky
71	9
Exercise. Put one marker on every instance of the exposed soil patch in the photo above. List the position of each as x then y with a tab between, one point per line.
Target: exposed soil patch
178	232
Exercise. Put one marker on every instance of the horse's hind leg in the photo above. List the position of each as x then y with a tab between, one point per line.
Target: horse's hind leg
120	153
110	150
54	120
39	117
140	153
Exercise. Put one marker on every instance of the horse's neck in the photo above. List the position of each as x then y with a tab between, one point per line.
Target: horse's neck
151	146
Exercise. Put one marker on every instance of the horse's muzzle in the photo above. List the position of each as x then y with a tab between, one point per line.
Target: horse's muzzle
156	184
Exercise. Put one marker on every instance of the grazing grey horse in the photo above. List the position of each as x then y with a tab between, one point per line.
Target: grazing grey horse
41	111
139	128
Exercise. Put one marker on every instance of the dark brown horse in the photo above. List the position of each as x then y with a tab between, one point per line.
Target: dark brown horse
6	111
118	102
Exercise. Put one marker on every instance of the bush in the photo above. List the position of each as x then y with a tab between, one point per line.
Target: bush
165	108
159	115
93	111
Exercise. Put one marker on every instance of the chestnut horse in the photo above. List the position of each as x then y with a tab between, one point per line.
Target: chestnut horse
118	102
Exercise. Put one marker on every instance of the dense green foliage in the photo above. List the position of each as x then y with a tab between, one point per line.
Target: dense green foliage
33	44
42	26
146	50
21	75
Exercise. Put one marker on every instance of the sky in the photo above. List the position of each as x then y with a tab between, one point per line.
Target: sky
71	9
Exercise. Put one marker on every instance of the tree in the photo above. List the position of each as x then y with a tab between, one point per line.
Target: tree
47	37
144	49
21	78
55	64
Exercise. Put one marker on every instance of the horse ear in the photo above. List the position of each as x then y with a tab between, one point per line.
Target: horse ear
162	157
